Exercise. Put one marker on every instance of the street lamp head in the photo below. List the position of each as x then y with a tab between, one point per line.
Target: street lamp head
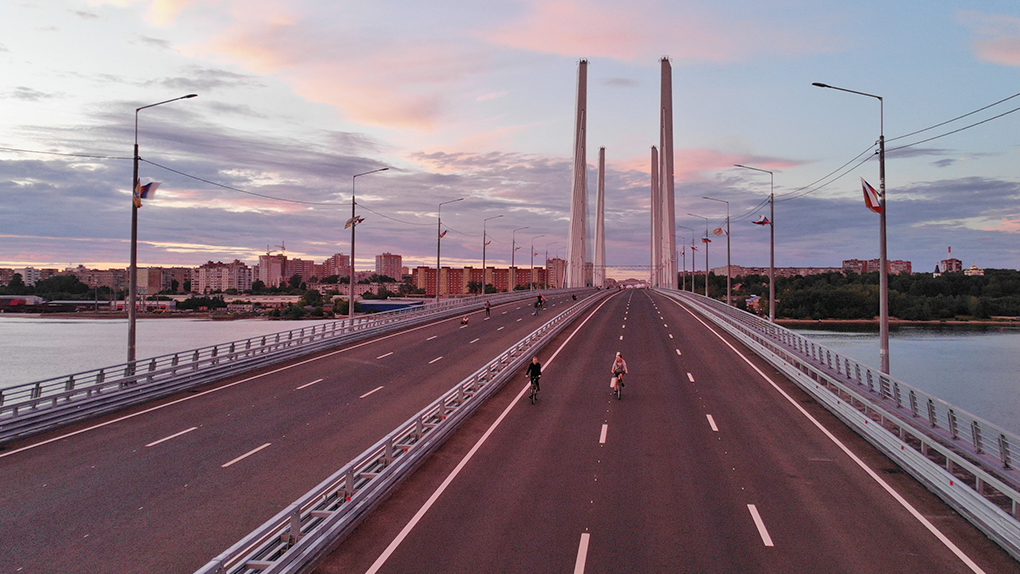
190	96
820	85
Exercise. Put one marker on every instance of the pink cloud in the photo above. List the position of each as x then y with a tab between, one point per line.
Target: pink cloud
691	164
997	37
646	29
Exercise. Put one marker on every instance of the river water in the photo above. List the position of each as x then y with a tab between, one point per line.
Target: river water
976	369
34	348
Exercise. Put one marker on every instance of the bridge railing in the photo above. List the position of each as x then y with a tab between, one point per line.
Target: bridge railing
33	407
304	532
967	461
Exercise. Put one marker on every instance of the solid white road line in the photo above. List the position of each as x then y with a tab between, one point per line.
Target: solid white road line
761	525
467	458
308	384
602	435
874	475
474	341
175	435
436	359
247	454
690	377
432	337
582	553
370	392
711	423
384	356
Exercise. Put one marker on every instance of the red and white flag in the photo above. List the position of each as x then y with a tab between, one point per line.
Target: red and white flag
871	197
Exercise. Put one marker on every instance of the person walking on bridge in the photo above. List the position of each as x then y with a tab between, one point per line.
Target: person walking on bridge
488	308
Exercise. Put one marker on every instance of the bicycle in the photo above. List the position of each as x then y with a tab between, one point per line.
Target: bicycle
619	386
534	389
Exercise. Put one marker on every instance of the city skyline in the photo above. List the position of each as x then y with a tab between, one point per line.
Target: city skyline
294	98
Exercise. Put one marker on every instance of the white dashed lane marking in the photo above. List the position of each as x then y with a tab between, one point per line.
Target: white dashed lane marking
308	384
384	356
711	423
246	455
175	435
370	392
760	524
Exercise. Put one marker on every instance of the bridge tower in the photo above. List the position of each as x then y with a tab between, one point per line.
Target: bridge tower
599	279
576	248
667	250
656	203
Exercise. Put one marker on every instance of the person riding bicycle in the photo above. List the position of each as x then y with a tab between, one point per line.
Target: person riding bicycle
535	372
619	368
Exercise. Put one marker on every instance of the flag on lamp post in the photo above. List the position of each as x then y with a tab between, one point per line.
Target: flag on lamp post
443	234
718	231
871	197
144	191
762	220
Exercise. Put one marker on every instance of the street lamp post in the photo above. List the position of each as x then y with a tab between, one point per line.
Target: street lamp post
531	283
729	298
439	241
883	274
485	241
547	262
691	229
513	254
772	240
705	244
133	272
353	222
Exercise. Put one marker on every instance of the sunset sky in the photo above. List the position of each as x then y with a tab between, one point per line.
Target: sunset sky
476	100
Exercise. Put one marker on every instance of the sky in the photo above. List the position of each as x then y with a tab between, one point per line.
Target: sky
477	101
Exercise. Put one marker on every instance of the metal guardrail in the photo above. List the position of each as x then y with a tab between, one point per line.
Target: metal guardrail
965	460
34	407
308	529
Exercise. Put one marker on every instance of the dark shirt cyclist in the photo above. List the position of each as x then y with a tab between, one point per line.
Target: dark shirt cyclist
535	371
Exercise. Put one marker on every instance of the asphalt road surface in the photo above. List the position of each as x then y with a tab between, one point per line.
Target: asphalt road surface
710	463
166	486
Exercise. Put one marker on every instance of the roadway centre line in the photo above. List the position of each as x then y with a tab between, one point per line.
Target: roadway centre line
760	524
690	377
370	392
602	435
432	337
874	475
467	458
384	356
711	423
246	455
582	553
436	359
220	388
474	341
175	435
308	384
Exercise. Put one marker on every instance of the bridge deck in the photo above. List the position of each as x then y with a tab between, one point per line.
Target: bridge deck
705	467
166	486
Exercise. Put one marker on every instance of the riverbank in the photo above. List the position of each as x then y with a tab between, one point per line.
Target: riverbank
872	325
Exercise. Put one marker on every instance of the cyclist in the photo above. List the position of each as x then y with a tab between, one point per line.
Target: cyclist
619	368
535	373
